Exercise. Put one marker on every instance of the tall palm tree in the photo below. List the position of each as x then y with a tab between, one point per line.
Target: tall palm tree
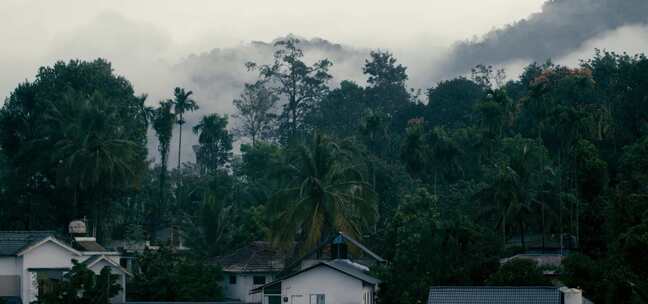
163	120
325	192
182	103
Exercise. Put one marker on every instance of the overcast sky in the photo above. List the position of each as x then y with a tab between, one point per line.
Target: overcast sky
37	32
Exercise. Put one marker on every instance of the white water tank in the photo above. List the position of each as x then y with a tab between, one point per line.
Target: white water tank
77	227
572	295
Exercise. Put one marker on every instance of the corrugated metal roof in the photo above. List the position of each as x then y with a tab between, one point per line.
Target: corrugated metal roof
12	242
494	295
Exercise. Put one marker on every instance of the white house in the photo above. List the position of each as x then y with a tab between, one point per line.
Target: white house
334	272
31	259
248	268
336	282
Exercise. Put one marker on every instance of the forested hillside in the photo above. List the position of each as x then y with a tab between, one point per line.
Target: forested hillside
442	183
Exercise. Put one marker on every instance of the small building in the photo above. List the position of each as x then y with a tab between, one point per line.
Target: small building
248	268
337	282
336	271
30	260
505	295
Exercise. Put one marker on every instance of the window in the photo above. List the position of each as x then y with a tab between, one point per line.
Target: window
232	279
274	299
258	280
317	299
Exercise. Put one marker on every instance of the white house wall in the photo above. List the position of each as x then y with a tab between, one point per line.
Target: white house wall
244	283
337	287
9	277
48	255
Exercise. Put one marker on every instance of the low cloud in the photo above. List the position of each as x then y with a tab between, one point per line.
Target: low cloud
562	27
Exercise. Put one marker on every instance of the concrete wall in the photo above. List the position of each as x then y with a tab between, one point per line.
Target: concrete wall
338	288
244	283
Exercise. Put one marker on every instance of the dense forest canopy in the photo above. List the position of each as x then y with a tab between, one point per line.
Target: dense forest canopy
442	184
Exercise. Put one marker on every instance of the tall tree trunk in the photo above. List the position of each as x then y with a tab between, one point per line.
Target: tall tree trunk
504	228
543	228
522	233
180	146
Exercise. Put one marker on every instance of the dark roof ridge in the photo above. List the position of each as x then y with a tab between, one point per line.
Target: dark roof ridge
493	287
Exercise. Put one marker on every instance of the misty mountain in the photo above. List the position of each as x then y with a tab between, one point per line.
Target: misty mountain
562	26
217	77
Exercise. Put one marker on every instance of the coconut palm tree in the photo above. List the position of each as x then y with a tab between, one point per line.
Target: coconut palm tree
325	192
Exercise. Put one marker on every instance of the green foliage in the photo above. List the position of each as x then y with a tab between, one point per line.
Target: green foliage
167	276
302	85
340	113
432	248
215	143
81	285
255	112
451	103
518	272
325	191
75	138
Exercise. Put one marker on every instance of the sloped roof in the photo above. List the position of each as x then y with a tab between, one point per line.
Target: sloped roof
258	256
12	242
97	258
494	295
333	238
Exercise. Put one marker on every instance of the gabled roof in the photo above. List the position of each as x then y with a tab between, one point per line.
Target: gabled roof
52	239
337	237
98	258
343	266
258	256
494	295
362	247
12	242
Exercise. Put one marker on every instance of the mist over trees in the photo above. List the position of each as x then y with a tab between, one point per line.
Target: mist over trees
559	29
443	183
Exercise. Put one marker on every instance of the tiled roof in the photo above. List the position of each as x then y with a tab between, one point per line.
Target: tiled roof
259	256
494	295
12	242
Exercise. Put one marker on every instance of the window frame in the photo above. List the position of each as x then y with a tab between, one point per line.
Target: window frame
317	298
